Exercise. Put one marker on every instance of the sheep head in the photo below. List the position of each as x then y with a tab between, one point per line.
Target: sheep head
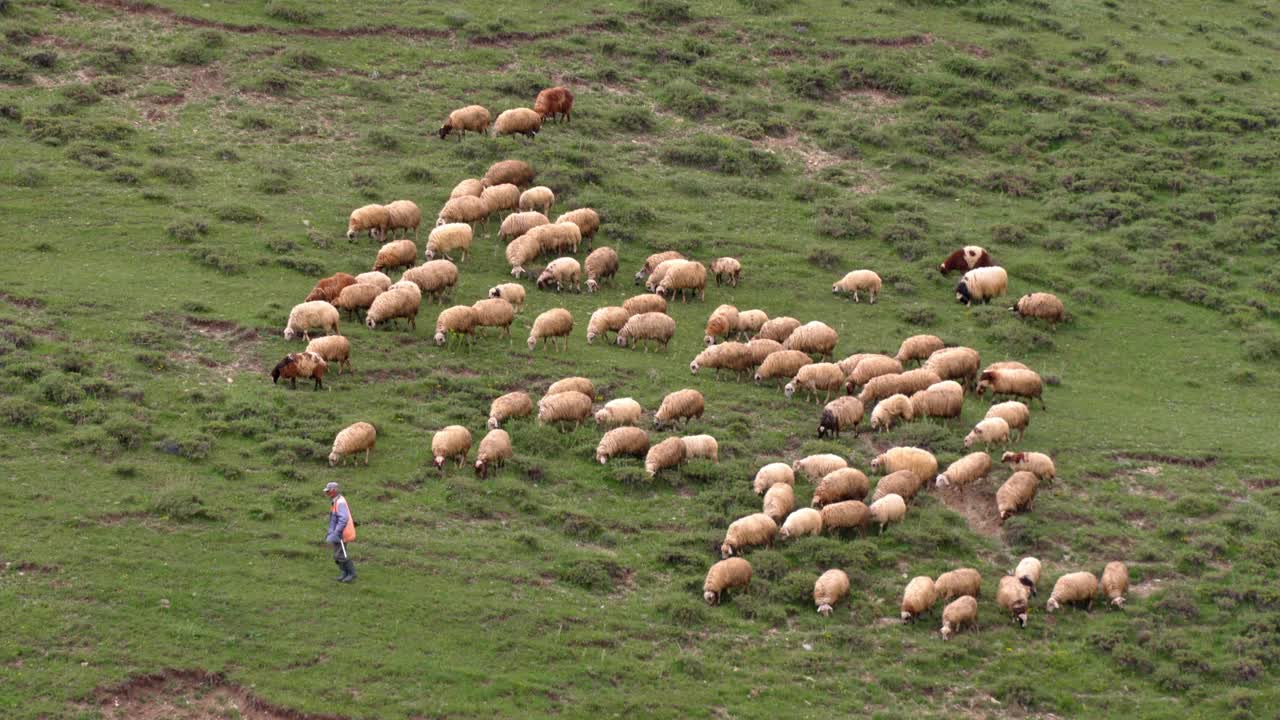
334	459
711	598
726	551
444	130
1052	605
824	610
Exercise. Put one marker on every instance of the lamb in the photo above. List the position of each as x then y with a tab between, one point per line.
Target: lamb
773	474
726	356
990	431
919	461
1115	582
602	264
300	365
726	269
782	364
667	454
890	410
554	101
313	314
870	366
606	320
516	172
889	509
466	209
1018	383
680	405
472	117
815	377
778	329
639	304
577	383
564	272
511	292
1011	595
1045	306
805	521
620	411
520	252
1038	463
958	583
587	220
750	322
495	313
625	440
858	281
722	322
918	598
374	218
918	348
435	278
779	501
1077	588
960	613
650	327
396	254
814	338
654	261
845	515
448	237
761	349
690	277
569	406
981	285
702	447
1016	494
518	121
450	443
374	277
505	407
1028	573
405	216
843	413
1015	414
503	197
329	288
357	297
333	348
557	237
351	440
839	485
729	574
907	383
955	363
966	471
538	198
520	223
494	452
470	187
831	588
941	400
548	326
819	466
966	258
903	483
455	321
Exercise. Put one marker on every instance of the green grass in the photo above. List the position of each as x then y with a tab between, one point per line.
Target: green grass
190	179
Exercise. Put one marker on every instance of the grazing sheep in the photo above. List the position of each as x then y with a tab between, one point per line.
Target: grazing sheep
870	366
919	348
1045	306
554	101
850	363
552	324
308	315
832	587
761	349
516	172
472	117
448	237
805	521
989	431
466	209
889	509
726	356
843	413
1005	365
966	471
640	304
1011	595
405	216
1015	414
1115	582
660	271
841	484
815	377
917	460
957	583
564	407
435	278
751	321
687	279
1016	494
1038	463
355	298
1077	588
845	515
455	321
941	400
329	288
351	440
779	501
918	598
1017	383
300	365
890	410
966	258
511	292
960	613
907	383
625	440
557	238
512	405
650	327
903	483
955	363
577	383
667	454
333	348
818	466
520	252
729	574
702	447
520	223
396	254
493	453
726	269
538	198
374	277
407	286
602	265
495	313
857	281
686	405
374	218
782	364
470	187
504	197
814	338
605	320
587	220
779	329
564	272
452	442
773	474
722	322
654	261
619	411
981	285
518	121
1028	573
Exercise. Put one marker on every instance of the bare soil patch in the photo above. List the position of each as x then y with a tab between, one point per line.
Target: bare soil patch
905	41
189	695
1203	461
977	503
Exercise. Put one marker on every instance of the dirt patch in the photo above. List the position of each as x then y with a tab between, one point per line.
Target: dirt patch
904	41
188	694
814	158
30	568
1147	587
240	341
1203	461
977	503
1262	483
877	98
27	303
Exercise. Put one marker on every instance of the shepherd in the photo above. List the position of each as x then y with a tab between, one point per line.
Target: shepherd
342	530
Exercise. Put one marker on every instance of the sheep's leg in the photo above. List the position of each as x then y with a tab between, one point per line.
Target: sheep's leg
366	455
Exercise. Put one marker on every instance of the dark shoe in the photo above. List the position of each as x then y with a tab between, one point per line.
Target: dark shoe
341	566
348	572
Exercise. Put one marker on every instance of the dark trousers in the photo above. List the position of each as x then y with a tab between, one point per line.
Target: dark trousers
338	554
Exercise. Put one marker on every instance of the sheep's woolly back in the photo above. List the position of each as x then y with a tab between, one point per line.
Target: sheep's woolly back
701	446
472	117
846	514
904	483
917	460
988	431
333	348
369	217
820	465
517	120
1017	415
907	383
919	597
773	474
494	312
761	349
464	209
726	356
754	529
890	410
517	224
512	405
568	406
813	377
983	284
689	275
1017	493
843	413
871	366
447	238
687	403
842	484
966	470
858	281
1115	582
656	326
1013	597
944	400
458	319
1004	365
782	364
722	322
889	509
729	574
495	446
522	251
750	322
919	347
311	314
513	293
1038	463
605	320
804	521
357	297
576	383
815	338
516	172
374	277
433	277
502	197
1028	572
955	583
587	220
1045	306
1073	588
832	587
648	302
779	501
396	254
619	411
959	613
601	264
352	439
556	322
540	197
667	454
779	328
470	187
625	440
452	441
954	363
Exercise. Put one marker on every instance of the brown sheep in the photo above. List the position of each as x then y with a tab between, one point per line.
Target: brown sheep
554	101
300	365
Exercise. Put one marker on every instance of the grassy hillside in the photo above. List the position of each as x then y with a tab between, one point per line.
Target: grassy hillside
176	175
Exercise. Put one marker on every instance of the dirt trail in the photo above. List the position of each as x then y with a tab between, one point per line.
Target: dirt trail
188	694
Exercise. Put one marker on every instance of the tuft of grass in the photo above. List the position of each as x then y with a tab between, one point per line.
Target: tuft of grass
292	12
174	174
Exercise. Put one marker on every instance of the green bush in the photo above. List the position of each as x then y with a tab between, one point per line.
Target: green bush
188	230
596	575
721	154
383	140
180	503
686	98
30	176
292	12
843	222
174	174
671	11
632	118
13	71
194	53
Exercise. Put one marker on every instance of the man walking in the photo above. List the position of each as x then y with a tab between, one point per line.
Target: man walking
342	530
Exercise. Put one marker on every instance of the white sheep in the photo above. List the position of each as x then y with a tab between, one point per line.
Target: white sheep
552	324
832	587
448	237
857	281
452	442
650	327
804	521
701	447
815	377
494	452
351	440
918	598
314	314
472	117
773	474
511	292
564	272
965	471
620	411
459	320
512	405
625	440
539	198
814	338
601	265
982	284
687	404
517	121
1077	588
605	320
728	574
990	431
